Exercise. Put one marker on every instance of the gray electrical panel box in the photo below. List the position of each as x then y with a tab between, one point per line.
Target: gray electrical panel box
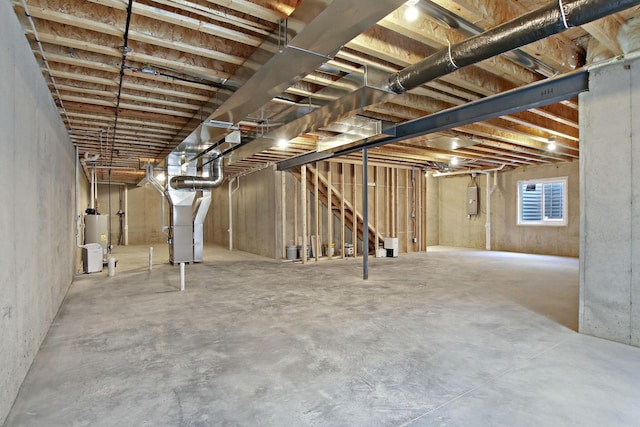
472	200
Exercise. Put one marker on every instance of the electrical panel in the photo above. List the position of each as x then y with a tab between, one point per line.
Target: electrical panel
472	201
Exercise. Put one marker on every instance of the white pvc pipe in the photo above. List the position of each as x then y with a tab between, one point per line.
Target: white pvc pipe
93	194
231	191
490	190
488	220
467	172
126	216
95	183
182	276
150	258
111	266
230	229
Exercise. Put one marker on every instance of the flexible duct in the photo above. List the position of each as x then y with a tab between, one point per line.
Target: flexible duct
215	178
551	19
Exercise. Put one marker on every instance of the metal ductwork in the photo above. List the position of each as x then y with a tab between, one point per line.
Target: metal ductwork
343	98
546	21
551	19
313	33
536	25
213	175
469	29
303	42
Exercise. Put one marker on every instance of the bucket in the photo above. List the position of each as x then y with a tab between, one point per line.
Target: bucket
292	253
299	248
329	249
348	249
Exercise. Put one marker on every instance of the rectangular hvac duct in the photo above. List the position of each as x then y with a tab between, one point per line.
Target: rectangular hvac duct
309	37
350	95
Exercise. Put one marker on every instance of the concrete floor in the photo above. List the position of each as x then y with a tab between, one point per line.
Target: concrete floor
447	338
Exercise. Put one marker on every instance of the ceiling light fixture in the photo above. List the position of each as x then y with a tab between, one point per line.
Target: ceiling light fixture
282	143
160	177
411	12
455	161
551	143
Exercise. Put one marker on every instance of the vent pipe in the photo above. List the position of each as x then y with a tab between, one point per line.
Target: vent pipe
215	178
551	19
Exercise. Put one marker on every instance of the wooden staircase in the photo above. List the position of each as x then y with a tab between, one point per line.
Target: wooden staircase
335	203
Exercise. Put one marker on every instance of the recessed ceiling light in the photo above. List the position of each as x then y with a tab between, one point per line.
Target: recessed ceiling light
551	145
411	14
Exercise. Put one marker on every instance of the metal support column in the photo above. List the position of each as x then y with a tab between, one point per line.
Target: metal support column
365	214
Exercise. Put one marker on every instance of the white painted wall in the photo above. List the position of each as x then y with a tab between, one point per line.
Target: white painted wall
610	240
455	229
37	245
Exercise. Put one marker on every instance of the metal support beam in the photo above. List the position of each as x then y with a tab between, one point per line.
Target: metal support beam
534	95
365	214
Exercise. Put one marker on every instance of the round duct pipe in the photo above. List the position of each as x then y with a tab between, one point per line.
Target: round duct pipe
551	19
215	178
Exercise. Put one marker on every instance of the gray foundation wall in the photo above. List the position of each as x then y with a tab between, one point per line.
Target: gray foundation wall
255	213
37	245
610	241
456	229
144	213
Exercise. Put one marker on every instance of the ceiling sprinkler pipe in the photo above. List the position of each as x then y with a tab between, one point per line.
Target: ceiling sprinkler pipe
551	19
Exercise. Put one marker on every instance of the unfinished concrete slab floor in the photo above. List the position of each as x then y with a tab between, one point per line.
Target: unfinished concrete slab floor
446	338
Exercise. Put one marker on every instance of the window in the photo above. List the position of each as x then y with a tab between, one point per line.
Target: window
542	202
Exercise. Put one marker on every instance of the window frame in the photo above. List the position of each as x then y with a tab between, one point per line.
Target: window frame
544	222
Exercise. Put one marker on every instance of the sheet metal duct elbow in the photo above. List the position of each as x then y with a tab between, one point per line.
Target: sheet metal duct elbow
215	178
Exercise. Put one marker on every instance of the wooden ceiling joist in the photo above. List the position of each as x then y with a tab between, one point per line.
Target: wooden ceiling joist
184	52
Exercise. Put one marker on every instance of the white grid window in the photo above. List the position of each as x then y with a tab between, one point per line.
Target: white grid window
542	202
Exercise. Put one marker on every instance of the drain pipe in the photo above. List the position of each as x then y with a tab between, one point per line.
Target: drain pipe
551	19
490	190
231	191
467	172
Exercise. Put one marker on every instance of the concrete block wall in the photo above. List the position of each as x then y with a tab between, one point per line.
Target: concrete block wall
37	244
610	241
455	229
